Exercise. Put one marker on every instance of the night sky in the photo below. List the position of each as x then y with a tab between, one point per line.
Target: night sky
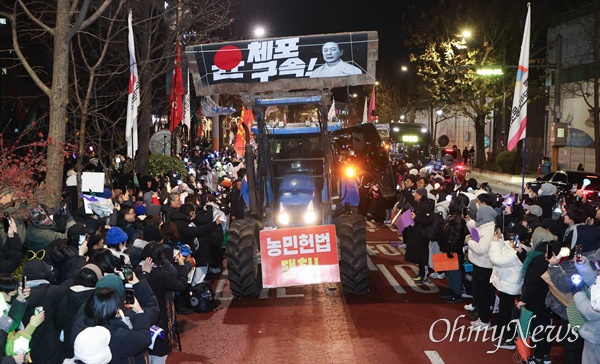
306	17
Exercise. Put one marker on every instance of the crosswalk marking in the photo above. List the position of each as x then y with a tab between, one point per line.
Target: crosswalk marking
434	357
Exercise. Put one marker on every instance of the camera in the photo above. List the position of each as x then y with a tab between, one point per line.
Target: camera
6	222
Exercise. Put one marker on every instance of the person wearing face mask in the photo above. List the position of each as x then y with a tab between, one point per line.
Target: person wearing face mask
116	241
547	199
478	253
417	250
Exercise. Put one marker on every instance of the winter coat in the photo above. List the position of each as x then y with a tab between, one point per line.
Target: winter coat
534	287
454	231
590	330
11	255
40	236
417	245
45	344
125	343
16	312
76	297
66	262
479	251
238	205
506	273
547	204
164	284
196	236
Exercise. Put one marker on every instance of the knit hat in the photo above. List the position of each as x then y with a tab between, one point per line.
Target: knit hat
485	214
422	191
107	193
91	346
153	210
547	189
115	236
541	235
152	233
112	281
534	210
148	198
94	268
39	216
140	210
37	269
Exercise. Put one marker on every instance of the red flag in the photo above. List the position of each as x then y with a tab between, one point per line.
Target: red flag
176	93
372	106
240	138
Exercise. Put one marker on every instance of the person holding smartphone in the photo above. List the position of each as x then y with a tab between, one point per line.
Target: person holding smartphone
11	253
164	283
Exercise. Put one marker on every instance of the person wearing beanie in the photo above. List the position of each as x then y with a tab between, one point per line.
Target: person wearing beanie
116	242
128	222
547	199
42	230
112	281
417	244
153	210
484	294
91	347
140	211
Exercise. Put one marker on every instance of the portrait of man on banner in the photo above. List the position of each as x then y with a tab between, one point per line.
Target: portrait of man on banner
334	66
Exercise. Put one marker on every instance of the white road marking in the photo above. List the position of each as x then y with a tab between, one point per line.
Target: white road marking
434	357
264	294
371	265
393	282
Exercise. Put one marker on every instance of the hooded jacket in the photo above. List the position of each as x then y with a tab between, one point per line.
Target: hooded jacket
590	330
485	224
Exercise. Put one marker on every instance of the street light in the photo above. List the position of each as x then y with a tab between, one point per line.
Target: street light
259	31
402	117
404	68
466	33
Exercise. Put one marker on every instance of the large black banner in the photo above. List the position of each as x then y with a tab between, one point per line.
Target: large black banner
305	62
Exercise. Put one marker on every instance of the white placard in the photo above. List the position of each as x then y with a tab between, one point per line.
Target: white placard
93	181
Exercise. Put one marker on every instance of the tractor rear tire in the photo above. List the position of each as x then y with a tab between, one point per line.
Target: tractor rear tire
242	246
351	231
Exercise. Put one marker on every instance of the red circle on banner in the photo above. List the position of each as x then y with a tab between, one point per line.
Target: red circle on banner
228	57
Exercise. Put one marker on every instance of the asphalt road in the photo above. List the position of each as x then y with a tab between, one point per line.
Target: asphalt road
396	322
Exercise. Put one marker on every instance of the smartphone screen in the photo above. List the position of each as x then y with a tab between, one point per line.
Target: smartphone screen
129	296
127	272
549	251
81	240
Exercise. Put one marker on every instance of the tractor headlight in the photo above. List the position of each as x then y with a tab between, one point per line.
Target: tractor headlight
350	172
284	218
310	216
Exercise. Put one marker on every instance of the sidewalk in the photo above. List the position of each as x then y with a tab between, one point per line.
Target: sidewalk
500	178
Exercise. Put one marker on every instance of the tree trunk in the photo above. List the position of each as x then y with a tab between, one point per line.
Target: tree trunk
479	141
58	106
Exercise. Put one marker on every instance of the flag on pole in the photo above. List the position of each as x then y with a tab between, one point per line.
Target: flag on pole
365	113
518	115
133	97
187	115
176	93
372	106
331	114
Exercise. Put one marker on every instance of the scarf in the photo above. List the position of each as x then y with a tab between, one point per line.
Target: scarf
530	256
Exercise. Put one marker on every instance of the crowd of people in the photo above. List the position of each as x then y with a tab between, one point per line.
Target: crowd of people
517	254
103	282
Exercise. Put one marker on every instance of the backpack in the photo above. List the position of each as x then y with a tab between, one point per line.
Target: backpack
432	232
202	298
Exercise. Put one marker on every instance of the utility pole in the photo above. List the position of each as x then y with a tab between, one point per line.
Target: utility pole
557	95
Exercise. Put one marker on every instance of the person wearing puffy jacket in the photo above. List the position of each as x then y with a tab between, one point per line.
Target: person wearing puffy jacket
590	330
483	291
507	278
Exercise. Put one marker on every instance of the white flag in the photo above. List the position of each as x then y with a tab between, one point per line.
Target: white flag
365	112
331	114
518	114
186	103
133	98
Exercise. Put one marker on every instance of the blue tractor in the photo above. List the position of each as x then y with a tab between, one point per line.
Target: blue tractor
301	177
